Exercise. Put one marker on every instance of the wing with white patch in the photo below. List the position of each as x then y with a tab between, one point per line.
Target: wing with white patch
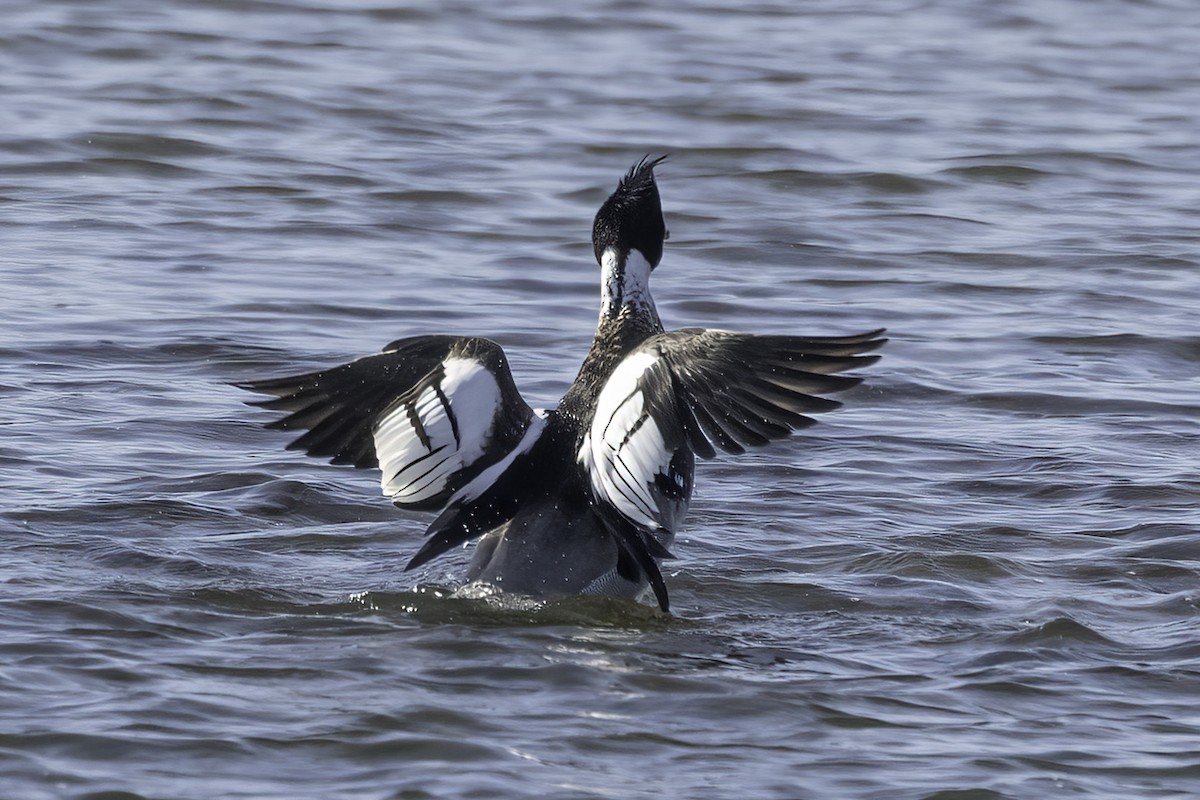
695	390
432	412
636	451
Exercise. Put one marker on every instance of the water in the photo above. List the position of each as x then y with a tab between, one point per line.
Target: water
977	581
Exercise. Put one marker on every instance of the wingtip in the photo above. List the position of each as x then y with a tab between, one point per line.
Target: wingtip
660	590
248	386
875	344
422	557
439	539
634	555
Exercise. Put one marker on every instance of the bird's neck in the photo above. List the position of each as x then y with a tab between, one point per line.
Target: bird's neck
627	318
625	286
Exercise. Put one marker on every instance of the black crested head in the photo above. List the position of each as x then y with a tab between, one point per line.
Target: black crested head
631	218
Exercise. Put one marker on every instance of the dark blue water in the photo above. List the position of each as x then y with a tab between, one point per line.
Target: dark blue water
978	581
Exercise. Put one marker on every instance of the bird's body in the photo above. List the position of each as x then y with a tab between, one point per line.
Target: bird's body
586	498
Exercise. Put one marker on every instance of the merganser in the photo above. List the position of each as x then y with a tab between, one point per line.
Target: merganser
586	498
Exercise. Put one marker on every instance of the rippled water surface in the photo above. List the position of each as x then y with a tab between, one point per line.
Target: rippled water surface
977	581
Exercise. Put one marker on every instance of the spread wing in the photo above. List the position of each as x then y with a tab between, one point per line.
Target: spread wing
699	390
432	412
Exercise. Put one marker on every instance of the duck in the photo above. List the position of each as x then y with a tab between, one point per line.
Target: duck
586	498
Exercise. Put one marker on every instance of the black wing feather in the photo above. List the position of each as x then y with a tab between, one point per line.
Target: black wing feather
709	389
745	390
340	410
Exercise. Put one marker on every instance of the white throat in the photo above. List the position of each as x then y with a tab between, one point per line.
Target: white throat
625	284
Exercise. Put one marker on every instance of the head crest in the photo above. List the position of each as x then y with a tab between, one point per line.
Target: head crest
640	177
631	217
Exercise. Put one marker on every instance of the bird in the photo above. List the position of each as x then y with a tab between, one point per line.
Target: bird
586	498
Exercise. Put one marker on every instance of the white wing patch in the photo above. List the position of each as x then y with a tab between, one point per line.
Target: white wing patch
624	452
425	439
485	479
